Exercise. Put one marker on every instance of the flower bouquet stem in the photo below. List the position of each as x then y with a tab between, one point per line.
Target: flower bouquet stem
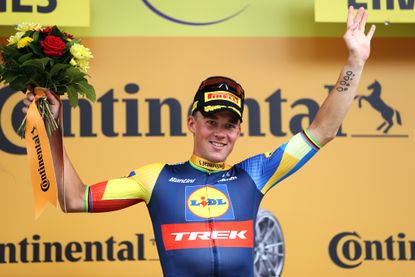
44	111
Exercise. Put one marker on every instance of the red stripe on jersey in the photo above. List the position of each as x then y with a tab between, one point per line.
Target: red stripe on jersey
208	234
99	205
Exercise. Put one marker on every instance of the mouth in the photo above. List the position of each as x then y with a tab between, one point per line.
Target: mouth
218	144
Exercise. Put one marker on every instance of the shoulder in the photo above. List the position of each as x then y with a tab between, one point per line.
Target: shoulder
153	169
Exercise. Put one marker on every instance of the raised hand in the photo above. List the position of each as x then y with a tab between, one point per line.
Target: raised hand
54	103
356	40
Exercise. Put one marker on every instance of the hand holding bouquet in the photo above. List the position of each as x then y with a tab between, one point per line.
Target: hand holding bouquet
38	56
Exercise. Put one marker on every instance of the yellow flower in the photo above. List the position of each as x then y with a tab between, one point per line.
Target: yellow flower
24	42
83	65
25	26
73	62
15	39
80	52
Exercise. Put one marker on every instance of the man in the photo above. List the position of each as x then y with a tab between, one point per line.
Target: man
203	211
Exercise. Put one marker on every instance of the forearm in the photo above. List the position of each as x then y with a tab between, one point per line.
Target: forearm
334	109
331	114
72	190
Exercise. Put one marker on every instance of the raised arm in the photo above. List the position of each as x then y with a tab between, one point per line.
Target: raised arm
71	193
105	196
333	110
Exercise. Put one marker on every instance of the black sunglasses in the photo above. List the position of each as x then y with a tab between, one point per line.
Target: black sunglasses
219	81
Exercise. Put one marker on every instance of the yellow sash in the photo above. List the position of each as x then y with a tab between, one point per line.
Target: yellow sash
46	169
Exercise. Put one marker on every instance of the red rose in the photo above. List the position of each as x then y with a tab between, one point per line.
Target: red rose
53	46
46	30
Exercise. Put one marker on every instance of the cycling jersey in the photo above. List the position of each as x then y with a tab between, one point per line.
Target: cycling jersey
203	213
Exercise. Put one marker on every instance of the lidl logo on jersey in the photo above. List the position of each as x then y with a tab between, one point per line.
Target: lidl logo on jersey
203	202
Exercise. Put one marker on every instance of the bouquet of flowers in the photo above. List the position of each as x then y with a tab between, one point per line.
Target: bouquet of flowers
44	56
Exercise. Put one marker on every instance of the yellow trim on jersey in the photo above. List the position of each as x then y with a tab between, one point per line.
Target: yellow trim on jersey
294	151
207	165
293	148
139	186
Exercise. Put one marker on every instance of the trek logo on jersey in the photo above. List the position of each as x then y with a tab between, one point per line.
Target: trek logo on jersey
203	202
223	95
202	235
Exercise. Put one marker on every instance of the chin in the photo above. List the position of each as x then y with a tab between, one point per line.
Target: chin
216	157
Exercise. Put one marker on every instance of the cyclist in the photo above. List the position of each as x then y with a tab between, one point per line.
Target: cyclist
203	210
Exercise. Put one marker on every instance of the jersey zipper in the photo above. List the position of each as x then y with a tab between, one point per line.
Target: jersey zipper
214	249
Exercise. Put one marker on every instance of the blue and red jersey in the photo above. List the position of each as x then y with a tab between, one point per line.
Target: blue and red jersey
203	213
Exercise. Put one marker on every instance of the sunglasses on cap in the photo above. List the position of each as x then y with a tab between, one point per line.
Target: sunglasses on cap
219	81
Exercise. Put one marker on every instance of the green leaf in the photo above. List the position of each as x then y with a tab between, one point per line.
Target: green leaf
57	68
10	50
37	63
37	50
61	89
10	77
87	89
73	74
25	57
19	84
35	36
73	96
34	63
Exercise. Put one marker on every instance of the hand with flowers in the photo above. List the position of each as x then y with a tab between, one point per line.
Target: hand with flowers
46	57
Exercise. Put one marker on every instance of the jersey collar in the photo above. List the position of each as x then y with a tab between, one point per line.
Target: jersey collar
205	165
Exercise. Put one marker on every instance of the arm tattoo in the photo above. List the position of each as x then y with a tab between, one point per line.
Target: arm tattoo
345	82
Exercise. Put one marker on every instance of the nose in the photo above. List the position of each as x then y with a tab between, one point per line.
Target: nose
219	133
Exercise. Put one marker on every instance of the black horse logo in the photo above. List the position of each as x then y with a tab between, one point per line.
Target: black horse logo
375	100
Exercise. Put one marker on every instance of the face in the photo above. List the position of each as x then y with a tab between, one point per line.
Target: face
214	136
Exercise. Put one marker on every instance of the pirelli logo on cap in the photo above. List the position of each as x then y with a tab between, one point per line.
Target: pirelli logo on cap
222	95
202	235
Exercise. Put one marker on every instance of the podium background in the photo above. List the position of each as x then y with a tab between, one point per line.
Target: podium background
355	184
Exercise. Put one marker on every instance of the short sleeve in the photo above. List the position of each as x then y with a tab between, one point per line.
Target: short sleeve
269	169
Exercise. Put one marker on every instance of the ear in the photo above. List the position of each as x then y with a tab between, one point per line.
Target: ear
191	123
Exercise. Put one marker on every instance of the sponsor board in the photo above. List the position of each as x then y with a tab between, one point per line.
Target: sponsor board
389	120
388	11
45	12
349	250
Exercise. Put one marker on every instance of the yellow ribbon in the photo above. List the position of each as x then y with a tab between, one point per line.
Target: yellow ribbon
42	163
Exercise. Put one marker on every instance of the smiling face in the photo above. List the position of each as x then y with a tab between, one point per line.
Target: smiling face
214	136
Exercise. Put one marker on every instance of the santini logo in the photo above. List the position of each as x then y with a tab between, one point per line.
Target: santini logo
182	181
199	9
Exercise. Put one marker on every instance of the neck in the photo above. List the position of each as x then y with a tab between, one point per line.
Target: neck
206	165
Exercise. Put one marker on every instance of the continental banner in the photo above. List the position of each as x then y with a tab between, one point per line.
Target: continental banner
348	212
45	12
390	11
